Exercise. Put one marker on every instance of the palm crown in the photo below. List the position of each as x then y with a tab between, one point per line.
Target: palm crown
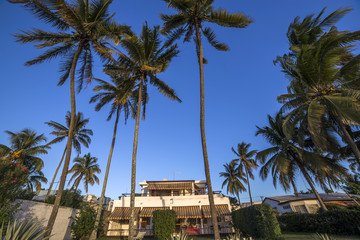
84	168
81	135
191	14
82	24
146	57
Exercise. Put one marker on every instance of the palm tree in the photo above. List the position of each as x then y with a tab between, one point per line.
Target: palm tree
121	100
287	156
146	57
83	26
26	146
246	162
234	178
84	168
323	84
188	21
81	137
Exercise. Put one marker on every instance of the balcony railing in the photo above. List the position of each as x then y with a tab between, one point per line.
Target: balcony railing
150	232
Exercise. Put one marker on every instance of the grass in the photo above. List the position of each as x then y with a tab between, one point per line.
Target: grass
287	236
295	236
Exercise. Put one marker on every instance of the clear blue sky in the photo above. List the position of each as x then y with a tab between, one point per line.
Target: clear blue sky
241	87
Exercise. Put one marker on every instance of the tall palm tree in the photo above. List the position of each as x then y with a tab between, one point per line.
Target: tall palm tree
81	137
146	57
234	178
84	169
83	26
287	156
246	162
324	80
26	146
121	98
189	20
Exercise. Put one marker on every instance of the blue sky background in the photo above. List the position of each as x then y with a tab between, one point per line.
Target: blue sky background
241	87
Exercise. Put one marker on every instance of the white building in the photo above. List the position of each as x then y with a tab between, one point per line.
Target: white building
306	203
187	198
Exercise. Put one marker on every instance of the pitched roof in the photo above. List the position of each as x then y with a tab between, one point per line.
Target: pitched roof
165	185
148	211
221	210
122	213
324	196
187	212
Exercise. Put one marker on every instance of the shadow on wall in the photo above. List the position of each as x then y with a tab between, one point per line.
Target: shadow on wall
40	212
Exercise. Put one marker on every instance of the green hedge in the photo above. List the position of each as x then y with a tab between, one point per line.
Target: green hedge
258	221
332	222
164	224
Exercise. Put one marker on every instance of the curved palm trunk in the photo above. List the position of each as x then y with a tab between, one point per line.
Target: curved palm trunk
98	215
55	174
294	187
55	209
348	138
306	175
356	202
248	182
203	137
238	196
133	164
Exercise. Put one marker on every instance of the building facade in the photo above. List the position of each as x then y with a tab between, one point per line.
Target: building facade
307	203
188	199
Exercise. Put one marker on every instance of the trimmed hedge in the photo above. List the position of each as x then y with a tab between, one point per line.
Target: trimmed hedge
164	224
332	222
258	221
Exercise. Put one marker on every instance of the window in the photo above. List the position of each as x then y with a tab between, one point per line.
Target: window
313	208
300	209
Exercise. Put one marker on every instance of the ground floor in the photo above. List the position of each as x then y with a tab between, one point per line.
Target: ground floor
192	220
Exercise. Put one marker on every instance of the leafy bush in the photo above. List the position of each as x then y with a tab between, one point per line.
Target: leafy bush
84	223
68	199
331	222
164	224
22	230
258	221
12	178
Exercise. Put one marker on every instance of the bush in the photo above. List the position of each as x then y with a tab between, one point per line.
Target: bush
12	178
331	222
258	221
164	224
68	199
84	223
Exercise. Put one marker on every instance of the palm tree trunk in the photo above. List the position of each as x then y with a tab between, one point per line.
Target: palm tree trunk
247	176
356	202
348	138
238	196
303	171
53	180
55	209
202	129
133	164
294	187
98	215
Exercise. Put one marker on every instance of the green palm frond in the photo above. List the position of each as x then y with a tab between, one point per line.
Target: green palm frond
225	19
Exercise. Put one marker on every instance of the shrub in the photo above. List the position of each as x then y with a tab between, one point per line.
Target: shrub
84	223
12	178
164	224
331	222
258	221
68	199
22	230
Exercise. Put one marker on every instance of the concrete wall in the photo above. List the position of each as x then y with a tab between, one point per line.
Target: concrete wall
41	212
171	201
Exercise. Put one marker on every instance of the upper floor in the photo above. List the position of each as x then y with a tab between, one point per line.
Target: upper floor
172	188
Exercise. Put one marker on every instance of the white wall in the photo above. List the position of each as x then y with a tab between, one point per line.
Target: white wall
171	201
41	212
